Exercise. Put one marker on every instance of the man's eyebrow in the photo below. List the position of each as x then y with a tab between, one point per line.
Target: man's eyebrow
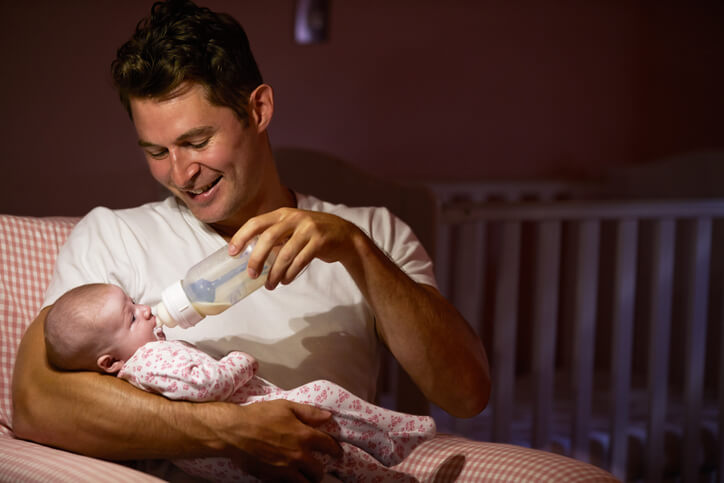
146	144
197	131
192	133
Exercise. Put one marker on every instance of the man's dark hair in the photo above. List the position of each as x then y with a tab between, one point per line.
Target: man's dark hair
180	42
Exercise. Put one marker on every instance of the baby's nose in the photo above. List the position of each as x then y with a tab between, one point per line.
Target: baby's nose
145	311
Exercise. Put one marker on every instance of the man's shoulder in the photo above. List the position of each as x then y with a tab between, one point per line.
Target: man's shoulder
356	214
168	208
143	216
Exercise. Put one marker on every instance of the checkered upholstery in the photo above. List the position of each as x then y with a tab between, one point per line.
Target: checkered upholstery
28	247
454	459
22	461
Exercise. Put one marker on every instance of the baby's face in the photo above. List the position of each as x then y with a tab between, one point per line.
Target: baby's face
128	325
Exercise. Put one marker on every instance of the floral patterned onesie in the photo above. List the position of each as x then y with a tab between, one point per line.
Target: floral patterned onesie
373	438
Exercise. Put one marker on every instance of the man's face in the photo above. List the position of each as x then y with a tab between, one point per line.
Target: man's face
126	324
202	153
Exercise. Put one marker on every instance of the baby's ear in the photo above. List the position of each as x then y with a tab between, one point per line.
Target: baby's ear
108	364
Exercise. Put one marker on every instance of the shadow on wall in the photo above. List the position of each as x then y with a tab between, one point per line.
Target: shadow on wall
332	179
698	174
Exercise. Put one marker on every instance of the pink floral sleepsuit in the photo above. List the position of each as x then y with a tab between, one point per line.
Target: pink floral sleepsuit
373	438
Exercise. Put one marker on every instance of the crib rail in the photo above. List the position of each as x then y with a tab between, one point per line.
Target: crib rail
591	306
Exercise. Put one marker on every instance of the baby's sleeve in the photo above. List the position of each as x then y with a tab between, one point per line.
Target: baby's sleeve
242	365
178	370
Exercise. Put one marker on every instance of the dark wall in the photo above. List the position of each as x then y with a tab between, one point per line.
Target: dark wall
462	90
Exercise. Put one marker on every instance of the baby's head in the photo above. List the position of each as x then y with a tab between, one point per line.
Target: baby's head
96	327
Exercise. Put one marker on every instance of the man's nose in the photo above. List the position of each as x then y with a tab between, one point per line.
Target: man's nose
183	169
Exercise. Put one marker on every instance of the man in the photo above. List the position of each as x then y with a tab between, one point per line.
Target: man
344	282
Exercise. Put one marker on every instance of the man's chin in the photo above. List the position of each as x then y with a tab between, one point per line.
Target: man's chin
204	212
206	217
214	214
210	217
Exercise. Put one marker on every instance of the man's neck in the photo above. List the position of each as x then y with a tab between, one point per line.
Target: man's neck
286	198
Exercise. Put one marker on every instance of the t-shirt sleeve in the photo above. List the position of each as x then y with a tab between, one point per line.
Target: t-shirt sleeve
401	244
180	371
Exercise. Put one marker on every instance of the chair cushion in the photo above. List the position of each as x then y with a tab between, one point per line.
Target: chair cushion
451	458
28	248
29	462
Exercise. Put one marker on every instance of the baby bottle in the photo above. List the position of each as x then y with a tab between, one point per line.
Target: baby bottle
211	286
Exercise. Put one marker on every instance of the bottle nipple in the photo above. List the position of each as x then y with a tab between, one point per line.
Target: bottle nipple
162	316
175	308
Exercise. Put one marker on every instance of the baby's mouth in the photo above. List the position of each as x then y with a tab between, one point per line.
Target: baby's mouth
203	189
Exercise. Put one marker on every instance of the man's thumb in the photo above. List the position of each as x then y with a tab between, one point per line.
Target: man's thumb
311	415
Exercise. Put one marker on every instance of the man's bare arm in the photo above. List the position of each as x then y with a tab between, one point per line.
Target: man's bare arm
425	333
101	416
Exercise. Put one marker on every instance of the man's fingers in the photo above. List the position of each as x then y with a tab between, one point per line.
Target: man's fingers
310	415
321	442
284	443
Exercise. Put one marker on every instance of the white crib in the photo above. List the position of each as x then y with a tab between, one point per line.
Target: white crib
602	320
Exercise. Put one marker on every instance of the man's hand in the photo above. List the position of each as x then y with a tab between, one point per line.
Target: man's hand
276	440
305	235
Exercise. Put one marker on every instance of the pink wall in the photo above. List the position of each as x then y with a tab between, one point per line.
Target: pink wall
462	89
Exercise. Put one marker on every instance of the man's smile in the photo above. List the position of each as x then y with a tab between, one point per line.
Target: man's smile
196	192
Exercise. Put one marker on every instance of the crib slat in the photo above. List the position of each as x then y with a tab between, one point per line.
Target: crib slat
469	270
545	313
468	288
696	310
621	348
658	350
442	260
584	334
505	327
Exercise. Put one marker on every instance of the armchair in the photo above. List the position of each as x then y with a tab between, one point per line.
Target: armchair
28	247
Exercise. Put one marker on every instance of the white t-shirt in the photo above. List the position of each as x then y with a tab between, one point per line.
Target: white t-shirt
317	327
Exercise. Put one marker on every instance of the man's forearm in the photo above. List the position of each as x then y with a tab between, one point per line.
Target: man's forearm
427	335
94	414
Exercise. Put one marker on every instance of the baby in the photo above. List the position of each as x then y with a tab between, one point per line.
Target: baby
98	327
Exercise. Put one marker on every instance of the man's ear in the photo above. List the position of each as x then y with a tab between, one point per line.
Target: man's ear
108	364
261	106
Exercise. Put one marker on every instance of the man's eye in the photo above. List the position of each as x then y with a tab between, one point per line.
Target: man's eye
199	145
157	155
